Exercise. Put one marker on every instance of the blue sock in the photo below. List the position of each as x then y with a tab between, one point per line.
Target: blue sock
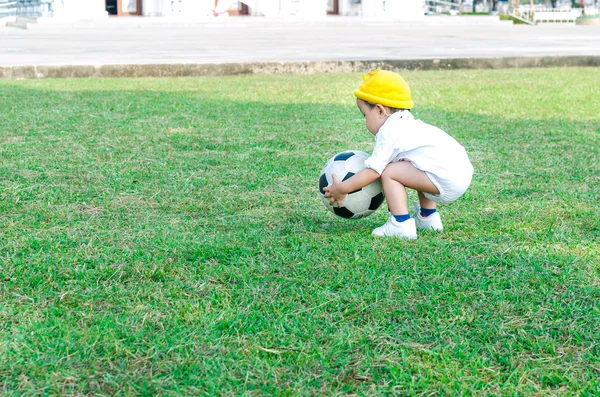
402	218
425	212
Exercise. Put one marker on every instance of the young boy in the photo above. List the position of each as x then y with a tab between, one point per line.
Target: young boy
408	153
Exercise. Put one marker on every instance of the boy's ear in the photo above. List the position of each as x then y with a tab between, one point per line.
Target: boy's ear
381	110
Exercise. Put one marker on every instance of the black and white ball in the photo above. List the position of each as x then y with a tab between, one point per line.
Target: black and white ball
359	203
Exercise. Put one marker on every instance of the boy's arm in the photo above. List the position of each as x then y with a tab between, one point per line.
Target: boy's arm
338	190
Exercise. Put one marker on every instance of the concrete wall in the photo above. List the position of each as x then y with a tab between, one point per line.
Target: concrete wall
187	8
303	8
350	7
79	9
266	8
153	8
402	10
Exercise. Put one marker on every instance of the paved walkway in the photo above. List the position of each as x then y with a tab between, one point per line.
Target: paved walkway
144	41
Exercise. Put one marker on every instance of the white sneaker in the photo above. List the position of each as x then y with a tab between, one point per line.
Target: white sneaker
403	230
431	222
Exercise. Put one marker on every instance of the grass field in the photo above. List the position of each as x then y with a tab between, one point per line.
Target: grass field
165	237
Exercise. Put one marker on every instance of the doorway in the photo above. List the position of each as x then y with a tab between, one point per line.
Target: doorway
124	7
111	7
231	7
333	7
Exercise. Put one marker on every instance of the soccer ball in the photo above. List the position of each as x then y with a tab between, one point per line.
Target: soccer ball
359	203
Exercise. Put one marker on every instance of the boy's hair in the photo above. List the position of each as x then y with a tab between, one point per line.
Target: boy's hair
392	110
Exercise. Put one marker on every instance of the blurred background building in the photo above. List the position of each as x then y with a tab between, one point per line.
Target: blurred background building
310	9
551	11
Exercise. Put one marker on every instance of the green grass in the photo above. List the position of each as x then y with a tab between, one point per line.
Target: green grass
165	237
506	17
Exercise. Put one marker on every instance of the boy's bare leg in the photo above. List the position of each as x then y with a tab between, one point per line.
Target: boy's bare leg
396	178
424	202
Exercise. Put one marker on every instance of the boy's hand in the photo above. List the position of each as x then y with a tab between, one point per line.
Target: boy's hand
335	193
338	191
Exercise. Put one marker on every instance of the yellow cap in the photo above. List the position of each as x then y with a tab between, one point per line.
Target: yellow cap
386	88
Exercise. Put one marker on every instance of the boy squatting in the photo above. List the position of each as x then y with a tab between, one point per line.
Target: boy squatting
408	153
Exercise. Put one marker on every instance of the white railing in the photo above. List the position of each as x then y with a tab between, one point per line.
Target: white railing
442	7
28	8
543	15
8	8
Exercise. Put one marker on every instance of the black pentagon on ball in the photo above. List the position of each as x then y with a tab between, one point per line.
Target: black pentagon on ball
348	175
343	212
343	156
376	201
322	183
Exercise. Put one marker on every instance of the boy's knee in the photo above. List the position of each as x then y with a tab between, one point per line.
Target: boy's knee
387	173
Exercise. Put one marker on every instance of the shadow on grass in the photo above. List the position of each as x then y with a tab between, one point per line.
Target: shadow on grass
154	238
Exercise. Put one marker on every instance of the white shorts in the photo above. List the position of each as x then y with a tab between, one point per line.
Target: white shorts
450	189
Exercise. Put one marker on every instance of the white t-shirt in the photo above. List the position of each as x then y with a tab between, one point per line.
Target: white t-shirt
428	148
